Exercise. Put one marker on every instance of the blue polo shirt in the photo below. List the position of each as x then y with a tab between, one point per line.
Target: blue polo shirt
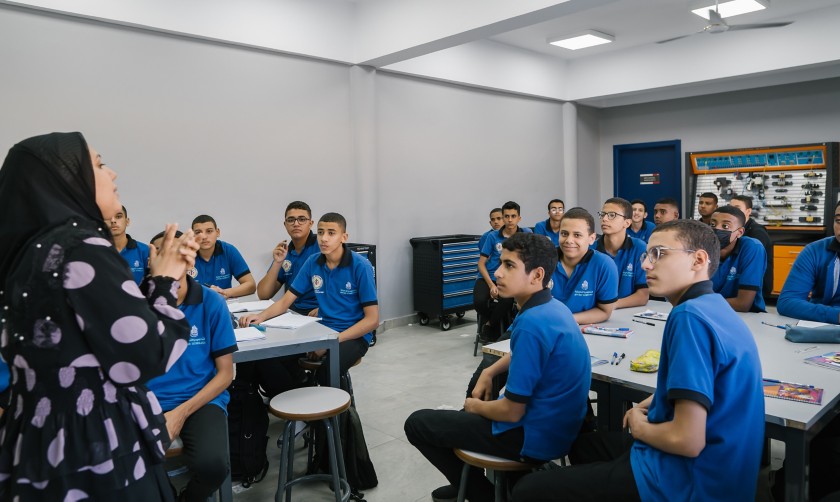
136	254
492	249
225	263
549	373
342	292
644	232
211	336
594	280
631	277
483	238
812	288
295	259
743	269
544	228
4	377
708	356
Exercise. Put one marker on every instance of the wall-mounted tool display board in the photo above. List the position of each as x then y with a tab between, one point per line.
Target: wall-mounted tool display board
794	188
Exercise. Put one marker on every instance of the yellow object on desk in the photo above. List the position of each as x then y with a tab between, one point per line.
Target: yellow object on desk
646	363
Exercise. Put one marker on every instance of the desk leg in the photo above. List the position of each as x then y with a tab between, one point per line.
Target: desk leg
602	417
335	377
618	407
797	456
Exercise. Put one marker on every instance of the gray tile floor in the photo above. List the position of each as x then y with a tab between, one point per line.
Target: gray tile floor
410	367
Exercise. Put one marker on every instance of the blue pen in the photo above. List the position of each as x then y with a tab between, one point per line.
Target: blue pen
615	354
255	325
780	326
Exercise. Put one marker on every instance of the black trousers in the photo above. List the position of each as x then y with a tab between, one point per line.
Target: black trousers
600	471
492	312
436	432
275	375
348	353
204	436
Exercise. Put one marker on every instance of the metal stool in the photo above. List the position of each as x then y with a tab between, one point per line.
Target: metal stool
309	404
176	449
345	382
499	466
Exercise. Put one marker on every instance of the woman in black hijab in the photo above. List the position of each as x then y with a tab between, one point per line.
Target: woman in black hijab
79	336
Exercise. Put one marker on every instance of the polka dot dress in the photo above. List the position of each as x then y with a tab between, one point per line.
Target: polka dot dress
81	339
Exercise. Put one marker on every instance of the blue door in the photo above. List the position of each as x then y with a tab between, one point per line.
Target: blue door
648	171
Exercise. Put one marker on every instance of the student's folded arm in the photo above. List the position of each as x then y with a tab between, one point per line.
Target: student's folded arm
744	301
269	285
685	435
639	298
365	325
482	269
793	300
599	313
500	410
246	286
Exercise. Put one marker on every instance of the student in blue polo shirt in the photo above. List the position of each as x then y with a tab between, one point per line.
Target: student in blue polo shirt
742	262
585	280
625	251
707	204
343	284
136	254
193	391
218	262
640	228
492	308
551	226
496	222
701	434
548	367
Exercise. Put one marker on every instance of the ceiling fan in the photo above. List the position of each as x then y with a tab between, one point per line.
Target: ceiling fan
718	25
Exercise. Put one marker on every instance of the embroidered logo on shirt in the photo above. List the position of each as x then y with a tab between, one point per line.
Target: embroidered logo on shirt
551	284
628	271
194	332
733	273
317	282
499	247
287	265
584	285
222	271
136	263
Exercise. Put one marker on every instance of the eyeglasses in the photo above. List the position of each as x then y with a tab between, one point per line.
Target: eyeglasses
610	215
300	220
655	253
555	210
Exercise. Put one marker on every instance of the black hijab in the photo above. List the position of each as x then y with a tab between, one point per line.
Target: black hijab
44	180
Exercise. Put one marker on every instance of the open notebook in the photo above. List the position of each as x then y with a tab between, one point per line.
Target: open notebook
290	320
248	334
257	306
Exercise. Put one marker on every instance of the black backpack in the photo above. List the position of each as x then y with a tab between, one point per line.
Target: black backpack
361	474
247	431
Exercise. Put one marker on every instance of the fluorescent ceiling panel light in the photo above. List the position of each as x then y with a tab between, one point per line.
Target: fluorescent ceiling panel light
582	40
732	8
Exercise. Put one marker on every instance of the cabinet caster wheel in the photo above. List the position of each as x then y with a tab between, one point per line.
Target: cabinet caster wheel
460	314
423	319
445	323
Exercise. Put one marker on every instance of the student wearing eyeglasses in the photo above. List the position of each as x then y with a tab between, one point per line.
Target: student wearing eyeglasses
219	262
551	226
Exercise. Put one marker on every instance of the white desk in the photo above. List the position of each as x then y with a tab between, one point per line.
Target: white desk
282	342
793	423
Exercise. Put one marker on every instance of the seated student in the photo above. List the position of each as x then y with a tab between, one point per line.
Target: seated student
586	281
706	205
551	227
193	391
757	231
742	262
544	402
625	252
135	253
485	291
343	284
666	210
640	228
496	222
700	435
218	261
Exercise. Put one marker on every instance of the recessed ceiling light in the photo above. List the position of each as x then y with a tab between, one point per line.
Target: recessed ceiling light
582	40
732	8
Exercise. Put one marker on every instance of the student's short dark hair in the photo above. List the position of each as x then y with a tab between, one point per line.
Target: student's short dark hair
746	199
125	212
638	201
555	201
734	211
334	218
696	235
495	210
160	234
624	204
709	195
579	213
511	205
534	251
668	201
297	204
203	218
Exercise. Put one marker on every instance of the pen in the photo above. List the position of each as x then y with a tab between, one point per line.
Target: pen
615	354
790	383
774	325
806	349
255	325
643	322
619	359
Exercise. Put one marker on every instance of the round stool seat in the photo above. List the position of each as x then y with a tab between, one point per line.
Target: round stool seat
309	364
309	403
176	449
486	461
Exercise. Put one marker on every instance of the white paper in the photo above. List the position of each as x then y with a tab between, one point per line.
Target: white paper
652	314
811	324
257	306
248	334
290	320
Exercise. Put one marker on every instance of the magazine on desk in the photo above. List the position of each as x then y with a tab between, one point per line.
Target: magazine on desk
828	360
792	391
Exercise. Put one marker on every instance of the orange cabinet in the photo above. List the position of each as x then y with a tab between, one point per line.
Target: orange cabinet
783	258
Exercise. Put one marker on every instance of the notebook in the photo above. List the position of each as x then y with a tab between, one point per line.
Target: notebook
257	306
827	360
811	324
652	315
792	391
290	320
614	332
248	334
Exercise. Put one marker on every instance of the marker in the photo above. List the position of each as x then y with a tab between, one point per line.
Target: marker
774	325
615	354
790	383
619	359
255	325
643	322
